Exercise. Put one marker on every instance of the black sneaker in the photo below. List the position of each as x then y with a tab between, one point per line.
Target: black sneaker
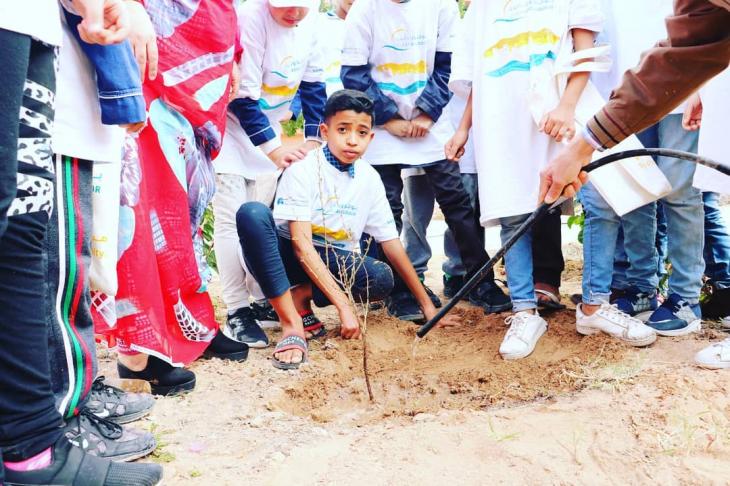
404	306
490	297
117	405
717	306
72	467
265	315
164	378
434	298
104	438
223	347
242	327
452	284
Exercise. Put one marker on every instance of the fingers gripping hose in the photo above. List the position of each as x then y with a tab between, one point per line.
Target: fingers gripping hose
543	209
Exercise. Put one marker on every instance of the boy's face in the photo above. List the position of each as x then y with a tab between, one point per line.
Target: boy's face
288	17
348	135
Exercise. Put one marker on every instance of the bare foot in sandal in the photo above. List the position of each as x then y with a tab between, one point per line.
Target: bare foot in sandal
290	352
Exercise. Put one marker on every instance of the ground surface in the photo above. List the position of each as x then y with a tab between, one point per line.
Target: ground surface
578	411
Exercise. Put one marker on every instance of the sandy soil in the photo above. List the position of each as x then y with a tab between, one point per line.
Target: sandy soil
578	411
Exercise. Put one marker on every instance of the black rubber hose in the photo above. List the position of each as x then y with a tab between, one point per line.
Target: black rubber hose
543	209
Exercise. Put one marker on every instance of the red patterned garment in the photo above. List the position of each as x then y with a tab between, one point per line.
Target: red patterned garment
162	307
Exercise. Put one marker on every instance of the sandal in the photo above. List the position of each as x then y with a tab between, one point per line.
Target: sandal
287	343
548	297
312	325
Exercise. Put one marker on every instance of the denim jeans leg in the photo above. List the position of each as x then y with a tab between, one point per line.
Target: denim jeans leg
620	264
366	278
717	242
518	262
683	210
639	229
600	233
418	201
445	180
453	265
662	246
261	248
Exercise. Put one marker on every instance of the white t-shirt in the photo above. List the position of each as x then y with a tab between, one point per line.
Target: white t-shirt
275	61
77	130
631	28
332	31
399	41
39	19
496	61
714	133
340	207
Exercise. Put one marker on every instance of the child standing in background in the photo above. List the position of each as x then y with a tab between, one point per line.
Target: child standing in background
506	53
280	56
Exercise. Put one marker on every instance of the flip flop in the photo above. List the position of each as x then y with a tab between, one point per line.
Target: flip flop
313	325
287	343
551	302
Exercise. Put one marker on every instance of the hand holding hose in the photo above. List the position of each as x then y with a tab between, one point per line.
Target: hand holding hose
563	176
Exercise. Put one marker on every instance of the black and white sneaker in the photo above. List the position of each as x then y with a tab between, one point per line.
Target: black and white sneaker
117	405
71	466
265	315
243	327
104	438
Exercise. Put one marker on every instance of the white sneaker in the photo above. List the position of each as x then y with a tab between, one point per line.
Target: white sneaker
725	322
615	323
525	329
715	357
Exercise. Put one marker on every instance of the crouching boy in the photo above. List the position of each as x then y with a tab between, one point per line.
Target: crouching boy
303	250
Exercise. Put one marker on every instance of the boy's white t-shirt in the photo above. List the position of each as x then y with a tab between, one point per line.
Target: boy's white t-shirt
332	37
275	61
631	28
39	19
715	97
338	205
399	41
77	129
498	45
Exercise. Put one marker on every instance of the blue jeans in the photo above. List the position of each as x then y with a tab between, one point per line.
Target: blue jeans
600	236
717	242
276	268
682	207
418	200
625	274
518	262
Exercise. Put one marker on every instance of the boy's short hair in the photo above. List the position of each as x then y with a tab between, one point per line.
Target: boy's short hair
349	99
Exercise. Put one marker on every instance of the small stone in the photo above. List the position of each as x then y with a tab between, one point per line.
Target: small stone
423	417
319	431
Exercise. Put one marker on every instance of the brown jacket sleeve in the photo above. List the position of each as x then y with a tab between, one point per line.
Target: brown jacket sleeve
698	48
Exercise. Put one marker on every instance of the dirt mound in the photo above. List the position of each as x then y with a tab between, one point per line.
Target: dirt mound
454	369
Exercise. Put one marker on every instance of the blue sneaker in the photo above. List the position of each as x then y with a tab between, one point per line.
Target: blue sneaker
638	304
676	317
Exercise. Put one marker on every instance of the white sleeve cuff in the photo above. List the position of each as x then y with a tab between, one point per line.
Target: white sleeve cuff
271	145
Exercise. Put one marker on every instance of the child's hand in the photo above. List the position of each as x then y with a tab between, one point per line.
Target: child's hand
235	81
449	320
421	125
692	118
559	123
143	39
104	21
398	127
349	323
283	157
454	148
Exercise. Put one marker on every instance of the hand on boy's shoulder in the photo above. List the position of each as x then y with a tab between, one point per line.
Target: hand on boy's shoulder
283	157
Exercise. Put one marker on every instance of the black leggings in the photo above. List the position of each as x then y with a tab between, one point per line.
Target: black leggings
29	422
